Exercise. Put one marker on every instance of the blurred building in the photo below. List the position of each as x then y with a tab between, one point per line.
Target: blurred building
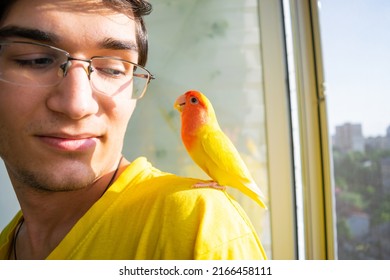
385	172
379	142
349	137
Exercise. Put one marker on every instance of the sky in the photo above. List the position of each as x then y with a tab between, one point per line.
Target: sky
356	53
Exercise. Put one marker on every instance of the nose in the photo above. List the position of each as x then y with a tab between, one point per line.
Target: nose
74	96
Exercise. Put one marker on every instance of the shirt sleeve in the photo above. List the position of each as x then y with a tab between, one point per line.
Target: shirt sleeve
226	233
211	224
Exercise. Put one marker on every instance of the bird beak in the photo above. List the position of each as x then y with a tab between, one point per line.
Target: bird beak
180	103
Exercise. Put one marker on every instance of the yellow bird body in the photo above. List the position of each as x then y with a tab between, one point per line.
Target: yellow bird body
210	148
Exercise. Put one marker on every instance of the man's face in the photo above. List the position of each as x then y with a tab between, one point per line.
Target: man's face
66	136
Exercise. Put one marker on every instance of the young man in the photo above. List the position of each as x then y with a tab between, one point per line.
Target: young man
70	76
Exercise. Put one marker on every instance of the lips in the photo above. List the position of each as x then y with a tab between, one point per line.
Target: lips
70	143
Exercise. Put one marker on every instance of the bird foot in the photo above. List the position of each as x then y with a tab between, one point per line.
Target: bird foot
210	184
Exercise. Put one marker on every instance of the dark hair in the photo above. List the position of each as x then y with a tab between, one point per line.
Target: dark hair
139	8
136	8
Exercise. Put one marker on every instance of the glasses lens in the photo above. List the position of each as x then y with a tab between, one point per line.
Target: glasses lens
111	76
141	79
30	64
38	65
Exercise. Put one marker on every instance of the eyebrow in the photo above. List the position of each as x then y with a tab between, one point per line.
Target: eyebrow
51	38
114	44
28	33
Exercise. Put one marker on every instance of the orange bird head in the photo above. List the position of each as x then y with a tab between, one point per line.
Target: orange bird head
196	113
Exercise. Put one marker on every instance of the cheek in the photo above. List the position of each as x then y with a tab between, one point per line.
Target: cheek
14	116
118	122
125	109
121	115
17	109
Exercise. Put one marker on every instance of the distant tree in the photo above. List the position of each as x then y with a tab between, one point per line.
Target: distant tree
359	188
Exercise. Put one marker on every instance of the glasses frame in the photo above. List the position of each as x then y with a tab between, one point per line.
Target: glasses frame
67	64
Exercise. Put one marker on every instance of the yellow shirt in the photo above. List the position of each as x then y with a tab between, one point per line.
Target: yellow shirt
148	214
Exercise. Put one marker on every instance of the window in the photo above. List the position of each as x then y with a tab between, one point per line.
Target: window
8	202
213	47
356	60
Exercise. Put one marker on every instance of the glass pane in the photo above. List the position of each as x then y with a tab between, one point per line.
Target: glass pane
9	205
214	47
356	46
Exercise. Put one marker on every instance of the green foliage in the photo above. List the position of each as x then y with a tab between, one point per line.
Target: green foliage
360	189
352	199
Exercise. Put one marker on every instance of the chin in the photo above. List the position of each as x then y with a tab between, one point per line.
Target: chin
56	181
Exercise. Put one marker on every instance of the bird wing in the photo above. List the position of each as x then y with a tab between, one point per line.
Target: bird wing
220	159
223	163
222	153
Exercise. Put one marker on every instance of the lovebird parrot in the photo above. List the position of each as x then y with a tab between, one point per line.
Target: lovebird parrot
211	149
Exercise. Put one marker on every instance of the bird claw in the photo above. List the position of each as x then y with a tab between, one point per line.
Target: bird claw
210	184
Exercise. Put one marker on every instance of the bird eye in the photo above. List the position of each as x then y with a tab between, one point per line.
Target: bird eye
194	100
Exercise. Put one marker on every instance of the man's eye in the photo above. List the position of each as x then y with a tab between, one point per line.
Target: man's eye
41	62
111	72
115	73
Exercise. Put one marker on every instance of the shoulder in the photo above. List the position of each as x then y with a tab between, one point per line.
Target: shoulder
6	235
173	189
207	223
172	192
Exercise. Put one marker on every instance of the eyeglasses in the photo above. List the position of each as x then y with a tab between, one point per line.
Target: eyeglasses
39	65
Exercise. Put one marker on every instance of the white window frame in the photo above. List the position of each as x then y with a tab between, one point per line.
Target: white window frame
314	157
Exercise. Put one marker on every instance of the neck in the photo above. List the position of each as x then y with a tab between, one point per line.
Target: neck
49	216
